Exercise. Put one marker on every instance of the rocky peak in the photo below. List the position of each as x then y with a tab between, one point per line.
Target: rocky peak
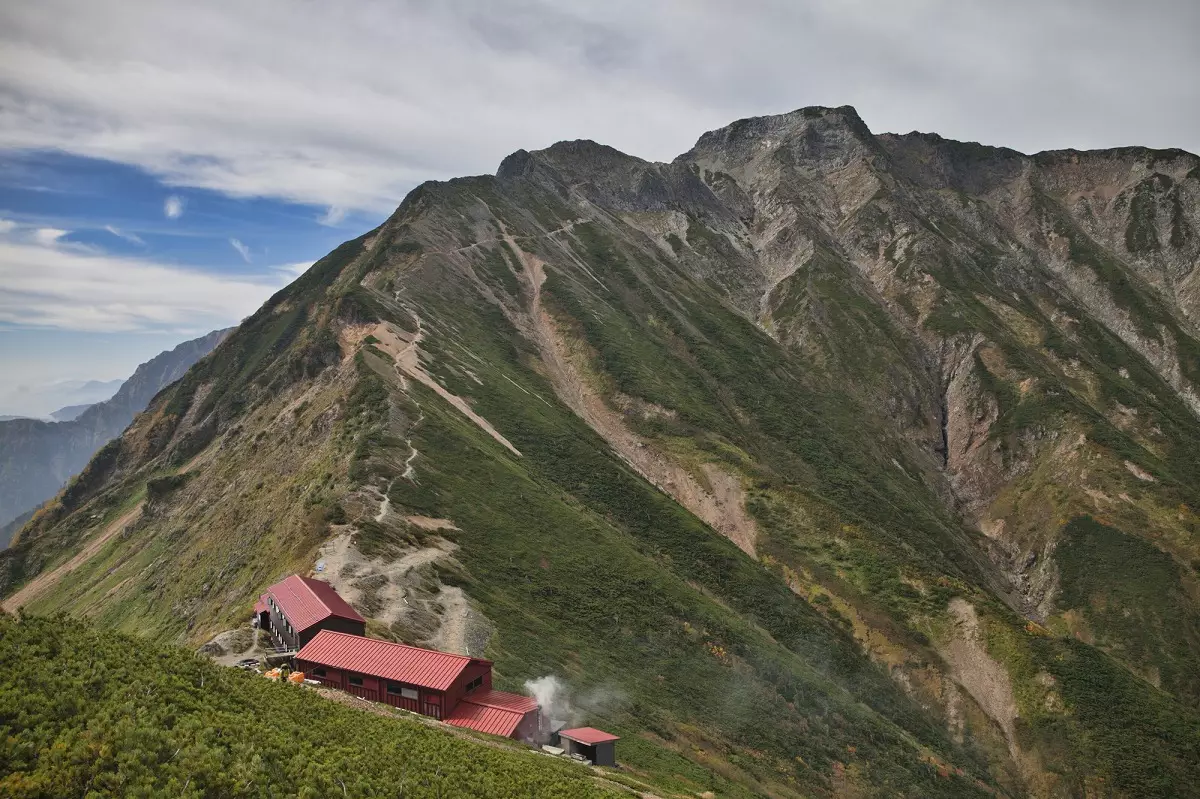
571	161
812	140
610	178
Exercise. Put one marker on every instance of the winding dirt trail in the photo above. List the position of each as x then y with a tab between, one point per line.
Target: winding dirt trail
406	354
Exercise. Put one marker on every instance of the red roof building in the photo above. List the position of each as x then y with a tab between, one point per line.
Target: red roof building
454	688
497	712
297	608
596	745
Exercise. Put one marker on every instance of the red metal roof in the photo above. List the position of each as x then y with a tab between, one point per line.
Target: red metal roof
261	605
502	700
426	668
306	602
485	719
589	736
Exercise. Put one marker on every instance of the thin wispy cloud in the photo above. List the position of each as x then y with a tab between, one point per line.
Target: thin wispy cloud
242	249
293	271
333	216
173	207
68	289
317	103
132	238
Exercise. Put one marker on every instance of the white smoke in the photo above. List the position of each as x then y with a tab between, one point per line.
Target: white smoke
561	708
554	697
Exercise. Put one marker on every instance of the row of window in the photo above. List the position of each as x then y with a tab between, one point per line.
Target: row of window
393	688
287	624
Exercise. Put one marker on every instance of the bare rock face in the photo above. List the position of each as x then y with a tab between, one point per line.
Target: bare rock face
974	460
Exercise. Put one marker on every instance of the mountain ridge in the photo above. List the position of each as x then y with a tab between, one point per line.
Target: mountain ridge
806	423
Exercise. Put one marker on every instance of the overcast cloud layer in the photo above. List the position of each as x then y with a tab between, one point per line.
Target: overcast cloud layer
349	105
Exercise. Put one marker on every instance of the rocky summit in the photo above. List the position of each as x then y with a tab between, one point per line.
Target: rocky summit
817	462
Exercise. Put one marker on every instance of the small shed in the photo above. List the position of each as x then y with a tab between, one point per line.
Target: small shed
596	745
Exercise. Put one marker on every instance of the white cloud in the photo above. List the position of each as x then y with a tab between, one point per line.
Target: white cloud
48	236
293	271
84	291
132	238
242	249
348	106
7	226
333	216
173	207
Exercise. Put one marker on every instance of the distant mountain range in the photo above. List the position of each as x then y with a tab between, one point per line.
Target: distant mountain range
70	412
39	401
64	414
38	457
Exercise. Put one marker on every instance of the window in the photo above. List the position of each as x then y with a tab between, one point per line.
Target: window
475	683
357	681
318	672
396	689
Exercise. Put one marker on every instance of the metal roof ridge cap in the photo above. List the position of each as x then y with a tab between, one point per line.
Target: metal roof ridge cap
402	644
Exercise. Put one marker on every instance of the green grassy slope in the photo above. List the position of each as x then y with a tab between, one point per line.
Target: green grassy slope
88	713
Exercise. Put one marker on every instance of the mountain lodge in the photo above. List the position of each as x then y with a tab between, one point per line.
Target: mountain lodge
308	617
294	610
453	688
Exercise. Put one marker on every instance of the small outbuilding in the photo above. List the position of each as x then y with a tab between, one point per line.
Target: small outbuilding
498	713
596	745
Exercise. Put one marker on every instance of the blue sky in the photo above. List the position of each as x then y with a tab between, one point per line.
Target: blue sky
167	165
176	262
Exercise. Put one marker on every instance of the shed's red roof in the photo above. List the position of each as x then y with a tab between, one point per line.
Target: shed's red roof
426	668
482	718
589	736
306	602
261	605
